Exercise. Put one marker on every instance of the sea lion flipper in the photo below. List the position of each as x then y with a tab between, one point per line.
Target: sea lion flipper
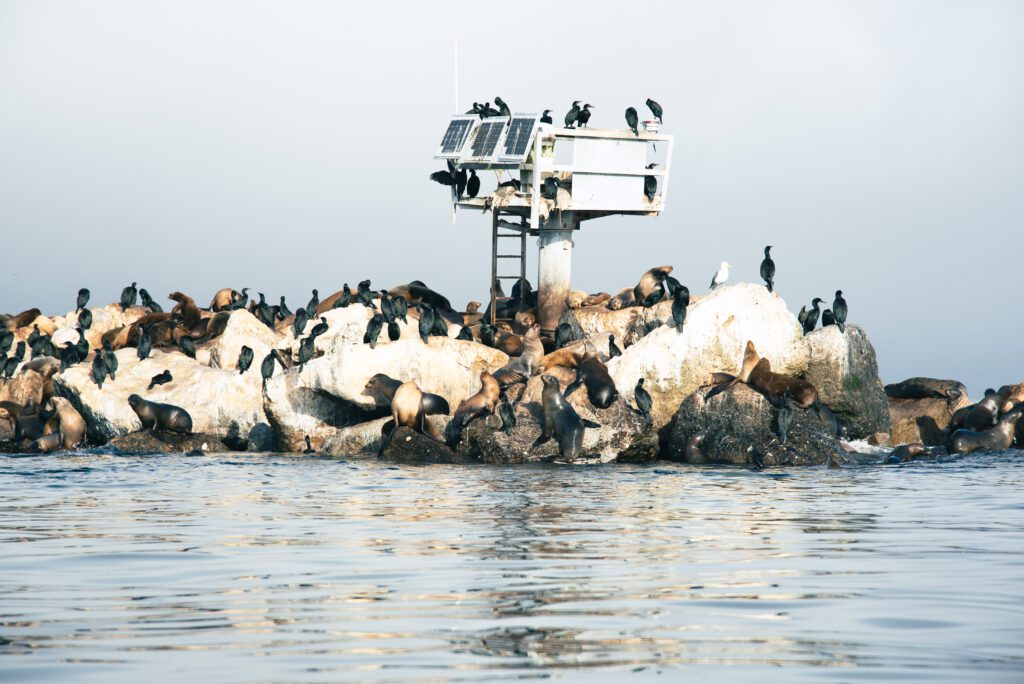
590	423
540	440
718	389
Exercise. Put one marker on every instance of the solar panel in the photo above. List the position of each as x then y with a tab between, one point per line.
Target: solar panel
455	137
515	146
484	141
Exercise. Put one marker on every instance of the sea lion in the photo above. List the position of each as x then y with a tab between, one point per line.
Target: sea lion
692	453
651	281
480	404
524	366
575	299
621	300
186	308
161	416
31	422
560	421
385	387
907	452
224	299
774	385
723	381
44	444
22	319
597	298
923	388
983	415
1012	396
593	374
72	425
407	410
567	357
995	438
510	343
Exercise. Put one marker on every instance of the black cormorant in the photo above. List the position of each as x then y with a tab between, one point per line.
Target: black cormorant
473	184
83	299
244	359
319	329
584	115
768	269
507	414
373	328
299	323
306	346
545	118
632	120
283	311
643	400
810	319
613	349
148	302
426	324
572	115
345	299
827	318
503	109
655	109
145	345
650	184
187	346
313	303
99	368
840	310
160	379
128	296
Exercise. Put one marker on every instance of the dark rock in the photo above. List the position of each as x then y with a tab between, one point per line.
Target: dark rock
150	442
844	370
739	427
411	447
261	438
919	420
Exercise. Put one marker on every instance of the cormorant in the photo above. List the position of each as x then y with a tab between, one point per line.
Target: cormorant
475	109
473	184
299	323
655	109
244	359
11	364
452	178
394	332
68	356
264	312
6	340
613	349
312	304
128	296
643	400
584	115
487	334
83	299
283	311
572	115
511	183
160	379
319	329
768	269
401	308
811	317
440	328
345	299
465	334
148	302
387	307
110	360
19	351
306	346
242	300
785	417
373	328
83	345
426	325
309	447
655	296
99	368
827	318
507	414
503	109
145	345
267	366
545	118
721	276
187	346
363	294
34	336
488	110
840	310
85	319
563	335
632	120
550	189
650	184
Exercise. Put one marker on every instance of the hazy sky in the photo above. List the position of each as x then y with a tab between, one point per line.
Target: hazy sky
286	145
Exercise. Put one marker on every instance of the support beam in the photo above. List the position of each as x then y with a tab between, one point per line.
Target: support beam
554	268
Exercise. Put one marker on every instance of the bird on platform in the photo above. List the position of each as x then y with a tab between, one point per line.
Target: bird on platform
545	118
650	184
584	116
550	189
473	184
503	109
768	269
475	110
573	115
721	276
453	178
655	109
643	400
488	111
633	120
840	310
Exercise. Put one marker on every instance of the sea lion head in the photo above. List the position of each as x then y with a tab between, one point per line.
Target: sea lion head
134	400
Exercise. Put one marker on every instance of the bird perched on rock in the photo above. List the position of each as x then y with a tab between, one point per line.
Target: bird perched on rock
83	299
110	360
306	347
245	356
148	302
373	328
363	294
809	317
633	120
99	368
145	344
345	299
613	349
426	324
573	115
309	447
768	269
655	109
507	414
85	319
299	322
721	276
187	346
840	310
313	303
465	334
283	311
563	335
128	296
643	400
785	417
267	366
394	332
319	329
160	379
68	356
827	318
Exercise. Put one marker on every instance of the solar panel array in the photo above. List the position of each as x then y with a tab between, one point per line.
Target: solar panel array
516	145
455	137
484	142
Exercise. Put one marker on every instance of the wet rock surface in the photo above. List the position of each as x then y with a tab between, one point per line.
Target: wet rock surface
151	442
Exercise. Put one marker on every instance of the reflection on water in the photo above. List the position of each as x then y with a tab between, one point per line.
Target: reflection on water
277	568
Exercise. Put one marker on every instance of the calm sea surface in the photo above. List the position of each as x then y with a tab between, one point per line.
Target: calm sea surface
249	568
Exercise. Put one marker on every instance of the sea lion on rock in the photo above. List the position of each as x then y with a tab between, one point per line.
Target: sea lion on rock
524	366
187	309
593	374
907	452
72	425
623	299
22	319
560	421
385	387
224	299
1012	396
597	298
996	438
44	444
161	416
407	410
983	415
480	404
650	282
774	385
575	299
567	357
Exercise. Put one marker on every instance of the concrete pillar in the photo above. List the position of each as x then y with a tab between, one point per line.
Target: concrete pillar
554	269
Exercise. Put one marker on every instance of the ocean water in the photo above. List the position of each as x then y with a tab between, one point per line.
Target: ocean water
277	568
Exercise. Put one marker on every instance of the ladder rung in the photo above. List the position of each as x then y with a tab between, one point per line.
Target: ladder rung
508	256
515	277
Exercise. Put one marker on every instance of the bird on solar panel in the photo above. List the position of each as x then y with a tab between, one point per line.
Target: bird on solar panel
503	109
584	115
545	118
488	110
655	109
572	115
475	109
473	184
632	119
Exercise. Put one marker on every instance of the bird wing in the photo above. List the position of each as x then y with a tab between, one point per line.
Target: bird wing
443	177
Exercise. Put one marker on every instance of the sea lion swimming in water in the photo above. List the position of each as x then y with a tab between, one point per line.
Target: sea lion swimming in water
593	374
693	453
161	416
996	438
560	421
407	410
480	404
385	387
907	452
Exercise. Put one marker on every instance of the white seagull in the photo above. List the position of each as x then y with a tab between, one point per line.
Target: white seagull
721	276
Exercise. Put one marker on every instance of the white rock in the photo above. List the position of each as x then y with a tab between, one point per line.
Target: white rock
242	329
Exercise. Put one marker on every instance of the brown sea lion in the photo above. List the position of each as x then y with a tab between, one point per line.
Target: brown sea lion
472	307
907	452
723	381
567	357
22	319
524	366
509	342
575	299
621	300
407	410
693	453
593	374
384	387
597	298
774	385
72	425
560	421
186	308
44	444
1012	395
161	416
31	422
223	299
650	282
995	438
983	415
482	403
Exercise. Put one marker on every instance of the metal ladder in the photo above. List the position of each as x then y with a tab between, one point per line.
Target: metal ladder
518	232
